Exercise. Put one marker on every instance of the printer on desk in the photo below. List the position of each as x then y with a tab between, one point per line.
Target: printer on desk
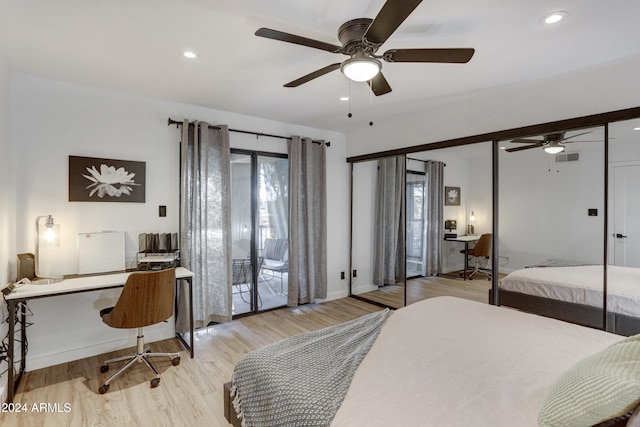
157	251
450	225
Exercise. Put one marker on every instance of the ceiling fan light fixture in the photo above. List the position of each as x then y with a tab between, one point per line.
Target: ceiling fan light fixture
360	68
554	17
554	148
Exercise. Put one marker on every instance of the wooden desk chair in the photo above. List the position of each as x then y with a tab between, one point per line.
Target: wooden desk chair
147	299
481	250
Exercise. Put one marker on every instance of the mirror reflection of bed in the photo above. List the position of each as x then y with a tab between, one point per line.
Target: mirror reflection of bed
554	246
395	202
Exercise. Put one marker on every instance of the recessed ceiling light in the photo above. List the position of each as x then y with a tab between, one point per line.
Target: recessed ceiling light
554	17
189	54
344	98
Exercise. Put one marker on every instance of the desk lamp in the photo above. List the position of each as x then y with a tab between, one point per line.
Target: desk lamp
49	234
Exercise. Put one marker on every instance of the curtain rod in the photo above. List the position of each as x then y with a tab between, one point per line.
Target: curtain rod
424	161
257	134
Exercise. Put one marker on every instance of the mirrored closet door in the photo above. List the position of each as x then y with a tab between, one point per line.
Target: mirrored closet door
413	218
552	224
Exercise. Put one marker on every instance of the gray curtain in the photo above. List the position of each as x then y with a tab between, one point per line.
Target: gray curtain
389	250
205	219
307	221
434	227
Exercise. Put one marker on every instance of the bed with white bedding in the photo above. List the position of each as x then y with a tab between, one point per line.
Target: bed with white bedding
452	362
574	293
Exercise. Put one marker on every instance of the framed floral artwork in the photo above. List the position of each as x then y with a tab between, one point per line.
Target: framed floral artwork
452	196
94	179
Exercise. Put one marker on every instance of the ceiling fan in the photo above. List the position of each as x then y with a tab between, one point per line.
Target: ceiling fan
361	38
552	143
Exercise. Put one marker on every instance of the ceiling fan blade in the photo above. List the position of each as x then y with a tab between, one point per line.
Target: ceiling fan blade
573	136
449	56
314	75
526	147
379	85
584	140
527	141
392	14
292	38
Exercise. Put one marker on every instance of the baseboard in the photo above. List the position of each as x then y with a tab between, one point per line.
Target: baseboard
361	289
69	355
334	295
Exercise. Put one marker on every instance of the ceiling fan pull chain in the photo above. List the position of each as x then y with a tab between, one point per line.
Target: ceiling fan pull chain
349	115
370	102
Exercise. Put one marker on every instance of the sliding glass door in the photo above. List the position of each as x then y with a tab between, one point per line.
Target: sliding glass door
415	223
259	217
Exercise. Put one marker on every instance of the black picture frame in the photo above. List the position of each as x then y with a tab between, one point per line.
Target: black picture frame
94	179
452	196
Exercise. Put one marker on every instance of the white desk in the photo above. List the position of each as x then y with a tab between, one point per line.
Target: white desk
71	286
466	240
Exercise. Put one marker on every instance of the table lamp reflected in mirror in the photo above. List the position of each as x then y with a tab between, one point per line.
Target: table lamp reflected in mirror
470	228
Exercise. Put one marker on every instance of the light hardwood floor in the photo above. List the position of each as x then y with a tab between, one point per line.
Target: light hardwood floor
190	394
429	287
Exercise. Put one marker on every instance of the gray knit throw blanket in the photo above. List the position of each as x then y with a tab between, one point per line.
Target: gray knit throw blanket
302	380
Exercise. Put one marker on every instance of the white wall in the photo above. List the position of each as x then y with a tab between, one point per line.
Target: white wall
480	197
597	90
6	196
51	120
544	205
5	161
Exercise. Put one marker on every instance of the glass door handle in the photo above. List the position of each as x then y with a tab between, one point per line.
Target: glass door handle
620	236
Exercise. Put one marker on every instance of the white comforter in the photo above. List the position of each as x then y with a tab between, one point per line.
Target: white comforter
452	362
581	285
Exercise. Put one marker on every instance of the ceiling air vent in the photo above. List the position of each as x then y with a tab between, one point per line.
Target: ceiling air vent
567	157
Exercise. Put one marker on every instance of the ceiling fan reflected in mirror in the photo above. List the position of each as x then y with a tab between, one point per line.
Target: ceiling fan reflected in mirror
552	143
361	38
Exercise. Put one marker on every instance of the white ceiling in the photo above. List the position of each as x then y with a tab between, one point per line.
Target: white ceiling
136	47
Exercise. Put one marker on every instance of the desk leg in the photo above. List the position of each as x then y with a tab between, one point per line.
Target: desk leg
466	261
23	342
12	380
11	304
189	346
191	326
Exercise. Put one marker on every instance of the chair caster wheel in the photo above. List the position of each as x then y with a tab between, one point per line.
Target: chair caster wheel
175	361
103	388
155	382
104	368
